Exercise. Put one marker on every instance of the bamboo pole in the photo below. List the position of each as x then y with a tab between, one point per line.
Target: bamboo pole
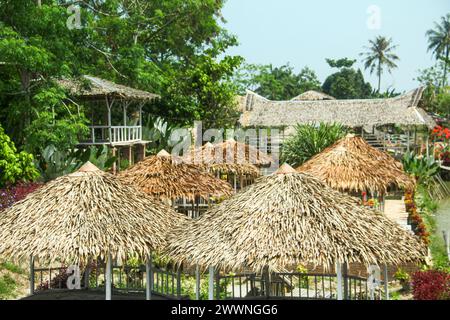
197	282
339	281
31	275
211	284
149	273
108	276
386	282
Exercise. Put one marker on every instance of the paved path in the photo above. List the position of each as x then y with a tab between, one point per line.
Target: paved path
395	210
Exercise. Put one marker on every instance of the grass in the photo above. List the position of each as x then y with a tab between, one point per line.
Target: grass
11	267
7	287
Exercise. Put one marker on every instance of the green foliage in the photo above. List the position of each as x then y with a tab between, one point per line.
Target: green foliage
14	166
277	83
423	168
347	83
158	132
439	43
54	163
101	157
7	287
309	140
379	56
340	63
401	275
175	48
11	267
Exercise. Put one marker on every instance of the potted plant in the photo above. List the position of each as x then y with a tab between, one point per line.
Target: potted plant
403	278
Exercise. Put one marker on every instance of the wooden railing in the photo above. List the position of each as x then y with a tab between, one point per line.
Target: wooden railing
113	134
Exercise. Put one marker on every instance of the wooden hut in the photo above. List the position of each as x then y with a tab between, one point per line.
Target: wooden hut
235	162
183	185
291	218
84	216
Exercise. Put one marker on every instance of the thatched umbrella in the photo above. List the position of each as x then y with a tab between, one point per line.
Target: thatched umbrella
289	218
352	165
237	160
85	215
168	178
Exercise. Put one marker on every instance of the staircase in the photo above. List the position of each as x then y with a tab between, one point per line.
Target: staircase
374	141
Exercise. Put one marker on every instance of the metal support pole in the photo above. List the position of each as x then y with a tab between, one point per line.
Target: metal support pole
108	276
149	273
386	282
446	235
87	273
345	280
31	275
211	284
197	282
339	281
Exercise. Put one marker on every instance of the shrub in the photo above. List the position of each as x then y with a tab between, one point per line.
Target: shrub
14	166
12	194
431	285
309	140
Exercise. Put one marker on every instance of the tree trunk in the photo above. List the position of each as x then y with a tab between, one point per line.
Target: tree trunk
379	76
444	78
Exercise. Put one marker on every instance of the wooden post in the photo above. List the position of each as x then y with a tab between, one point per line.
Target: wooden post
386	282
267	282
130	155
87	273
197	282
345	280
31	275
149	273
108	276
427	144
211	284
114	166
109	105
140	122
339	281
408	140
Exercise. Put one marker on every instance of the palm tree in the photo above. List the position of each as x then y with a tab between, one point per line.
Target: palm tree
379	55
439	42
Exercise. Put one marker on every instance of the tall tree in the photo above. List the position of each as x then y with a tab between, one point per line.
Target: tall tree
347	83
380	56
277	83
439	43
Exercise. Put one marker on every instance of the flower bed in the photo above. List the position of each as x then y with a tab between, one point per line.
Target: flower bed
12	194
431	285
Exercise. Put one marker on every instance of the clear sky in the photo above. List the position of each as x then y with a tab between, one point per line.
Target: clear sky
304	33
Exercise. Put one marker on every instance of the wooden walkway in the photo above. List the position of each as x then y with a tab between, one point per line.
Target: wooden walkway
89	295
395	210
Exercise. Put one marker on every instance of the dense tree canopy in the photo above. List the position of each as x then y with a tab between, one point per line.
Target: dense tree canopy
347	83
277	83
174	48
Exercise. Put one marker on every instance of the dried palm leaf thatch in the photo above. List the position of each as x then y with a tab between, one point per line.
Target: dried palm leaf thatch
86	214
352	165
168	178
231	157
289	218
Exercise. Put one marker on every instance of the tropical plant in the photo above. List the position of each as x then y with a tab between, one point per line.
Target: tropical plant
158	132
54	163
423	168
439	43
100	157
14	166
380	56
309	140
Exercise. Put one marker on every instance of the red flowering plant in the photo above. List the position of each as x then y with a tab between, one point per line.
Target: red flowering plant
414	218
431	285
441	136
11	194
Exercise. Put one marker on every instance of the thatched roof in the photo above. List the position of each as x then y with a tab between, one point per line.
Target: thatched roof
93	88
401	110
312	95
351	164
229	156
290	218
168	178
84	215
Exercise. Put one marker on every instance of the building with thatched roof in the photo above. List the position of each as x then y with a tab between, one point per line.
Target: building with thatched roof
89	214
236	162
168	178
105	98
312	95
291	218
352	165
356	113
